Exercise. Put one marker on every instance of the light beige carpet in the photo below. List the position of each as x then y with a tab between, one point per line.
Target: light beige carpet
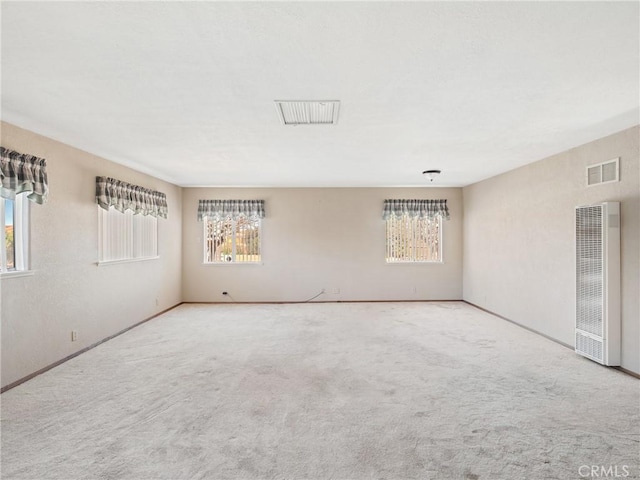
323	391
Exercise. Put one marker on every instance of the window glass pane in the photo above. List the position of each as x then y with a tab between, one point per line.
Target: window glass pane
412	239
225	246
248	240
427	240
219	239
9	236
229	241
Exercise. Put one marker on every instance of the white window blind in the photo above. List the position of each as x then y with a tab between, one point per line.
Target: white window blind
125	236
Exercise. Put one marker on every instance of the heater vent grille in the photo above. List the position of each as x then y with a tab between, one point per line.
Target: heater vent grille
597	332
589	269
589	347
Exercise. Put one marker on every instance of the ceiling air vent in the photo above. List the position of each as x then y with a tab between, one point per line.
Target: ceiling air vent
604	172
308	112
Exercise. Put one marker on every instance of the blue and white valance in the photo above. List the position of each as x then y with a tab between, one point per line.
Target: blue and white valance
125	196
415	208
234	209
20	172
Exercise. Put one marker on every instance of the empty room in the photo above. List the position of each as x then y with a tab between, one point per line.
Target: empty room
320	240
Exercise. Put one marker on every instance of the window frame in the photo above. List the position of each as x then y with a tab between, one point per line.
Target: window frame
132	241
233	261
21	234
440	252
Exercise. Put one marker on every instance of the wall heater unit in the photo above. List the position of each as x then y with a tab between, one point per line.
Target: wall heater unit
598	282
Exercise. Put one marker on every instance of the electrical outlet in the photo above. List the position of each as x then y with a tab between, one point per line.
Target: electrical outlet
74	335
414	290
336	291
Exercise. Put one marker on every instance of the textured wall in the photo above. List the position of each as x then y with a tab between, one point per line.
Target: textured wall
332	238
68	291
518	251
519	239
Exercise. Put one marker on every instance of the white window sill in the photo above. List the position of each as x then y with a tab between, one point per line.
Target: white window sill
231	264
128	260
16	274
440	262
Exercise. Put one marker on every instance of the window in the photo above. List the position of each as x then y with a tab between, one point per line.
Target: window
230	240
232	230
413	239
125	236
14	216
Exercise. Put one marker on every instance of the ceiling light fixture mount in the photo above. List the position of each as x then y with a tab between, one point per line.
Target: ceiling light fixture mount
431	174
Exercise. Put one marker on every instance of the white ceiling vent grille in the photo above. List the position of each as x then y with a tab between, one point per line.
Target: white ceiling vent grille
604	172
308	112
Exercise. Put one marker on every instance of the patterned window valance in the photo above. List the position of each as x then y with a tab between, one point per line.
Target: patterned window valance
218	209
20	172
416	208
125	196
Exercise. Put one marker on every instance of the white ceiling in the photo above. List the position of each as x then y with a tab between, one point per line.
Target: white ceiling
185	90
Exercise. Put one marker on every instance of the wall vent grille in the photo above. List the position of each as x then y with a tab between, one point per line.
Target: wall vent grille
604	172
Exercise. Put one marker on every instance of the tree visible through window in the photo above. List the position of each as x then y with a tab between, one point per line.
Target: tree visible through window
232	241
413	239
15	223
10	252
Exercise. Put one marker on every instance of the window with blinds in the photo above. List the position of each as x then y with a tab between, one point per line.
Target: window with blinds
412	239
230	240
125	236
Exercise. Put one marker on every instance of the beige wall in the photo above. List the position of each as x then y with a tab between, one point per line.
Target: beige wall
68	291
317	238
519	239
518	251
